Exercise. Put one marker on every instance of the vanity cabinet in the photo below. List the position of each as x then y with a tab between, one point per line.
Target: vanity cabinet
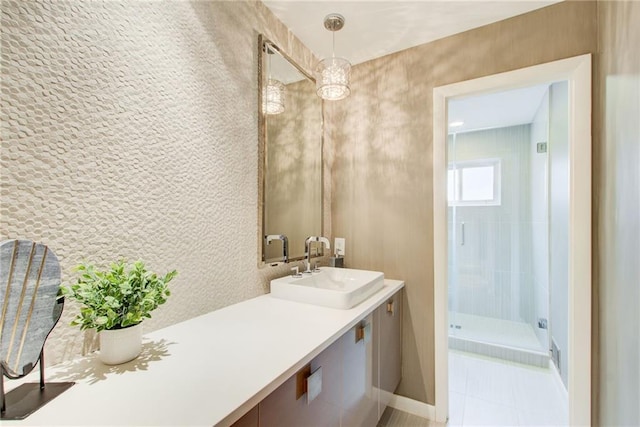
360	372
348	397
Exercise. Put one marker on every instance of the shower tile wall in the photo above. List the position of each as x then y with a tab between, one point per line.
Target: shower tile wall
495	269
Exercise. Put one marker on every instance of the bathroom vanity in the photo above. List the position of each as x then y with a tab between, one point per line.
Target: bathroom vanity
358	373
242	365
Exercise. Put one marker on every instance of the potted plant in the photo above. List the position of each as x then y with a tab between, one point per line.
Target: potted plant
114	301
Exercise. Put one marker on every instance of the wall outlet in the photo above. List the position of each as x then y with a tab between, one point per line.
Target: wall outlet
339	246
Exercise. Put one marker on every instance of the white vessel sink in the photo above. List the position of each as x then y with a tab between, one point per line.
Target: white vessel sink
331	287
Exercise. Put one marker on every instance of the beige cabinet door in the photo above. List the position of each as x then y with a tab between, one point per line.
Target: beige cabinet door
360	397
283	408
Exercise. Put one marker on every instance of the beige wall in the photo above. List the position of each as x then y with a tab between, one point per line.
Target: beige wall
382	134
130	129
617	214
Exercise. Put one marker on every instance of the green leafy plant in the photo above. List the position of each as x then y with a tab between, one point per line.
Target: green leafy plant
119	296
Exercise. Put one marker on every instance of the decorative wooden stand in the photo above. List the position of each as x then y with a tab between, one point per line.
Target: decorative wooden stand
27	398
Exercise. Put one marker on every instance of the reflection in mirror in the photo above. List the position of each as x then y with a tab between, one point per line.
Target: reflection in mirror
291	132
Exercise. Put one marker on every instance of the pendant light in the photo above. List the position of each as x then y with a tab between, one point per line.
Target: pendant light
332	74
274	91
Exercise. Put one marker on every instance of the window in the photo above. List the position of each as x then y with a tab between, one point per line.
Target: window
474	183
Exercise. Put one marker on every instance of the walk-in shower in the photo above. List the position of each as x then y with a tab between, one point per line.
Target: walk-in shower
499	267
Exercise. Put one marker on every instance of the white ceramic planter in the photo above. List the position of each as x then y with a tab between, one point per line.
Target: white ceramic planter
120	345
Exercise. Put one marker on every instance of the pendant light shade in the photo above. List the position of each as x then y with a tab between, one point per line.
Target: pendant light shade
333	74
332	78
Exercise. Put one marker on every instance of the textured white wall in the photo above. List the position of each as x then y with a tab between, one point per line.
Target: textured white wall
129	129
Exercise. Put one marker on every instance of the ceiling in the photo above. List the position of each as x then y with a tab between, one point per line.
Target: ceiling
377	28
496	110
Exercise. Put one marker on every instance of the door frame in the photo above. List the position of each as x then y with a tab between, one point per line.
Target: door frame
577	71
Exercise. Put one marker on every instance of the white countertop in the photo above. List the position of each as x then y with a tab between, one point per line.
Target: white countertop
209	370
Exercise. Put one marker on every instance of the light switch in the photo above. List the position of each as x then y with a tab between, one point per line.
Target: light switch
339	245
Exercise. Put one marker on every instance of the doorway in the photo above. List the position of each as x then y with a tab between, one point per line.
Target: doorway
506	159
457	222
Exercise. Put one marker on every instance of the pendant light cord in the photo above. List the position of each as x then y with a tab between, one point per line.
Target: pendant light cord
333	47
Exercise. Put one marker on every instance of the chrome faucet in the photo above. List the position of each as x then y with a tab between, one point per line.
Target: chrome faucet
285	244
307	250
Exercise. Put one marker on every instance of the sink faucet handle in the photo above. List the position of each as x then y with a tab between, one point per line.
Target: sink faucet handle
296	272
316	269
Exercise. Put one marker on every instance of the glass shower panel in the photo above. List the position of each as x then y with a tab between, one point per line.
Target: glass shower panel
452	235
489	225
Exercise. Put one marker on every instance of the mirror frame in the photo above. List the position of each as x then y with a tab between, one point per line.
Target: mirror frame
262	150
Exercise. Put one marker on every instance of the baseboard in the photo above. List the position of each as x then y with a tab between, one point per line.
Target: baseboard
412	406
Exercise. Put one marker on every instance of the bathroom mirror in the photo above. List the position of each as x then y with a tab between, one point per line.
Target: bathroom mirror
290	133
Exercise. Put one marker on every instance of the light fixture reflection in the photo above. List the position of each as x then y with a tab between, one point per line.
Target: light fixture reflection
333	74
274	91
273	97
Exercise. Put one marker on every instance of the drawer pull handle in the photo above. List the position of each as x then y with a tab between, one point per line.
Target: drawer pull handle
314	385
390	308
308	383
301	381
363	332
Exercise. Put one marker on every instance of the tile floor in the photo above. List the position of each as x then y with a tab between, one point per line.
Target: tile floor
490	392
